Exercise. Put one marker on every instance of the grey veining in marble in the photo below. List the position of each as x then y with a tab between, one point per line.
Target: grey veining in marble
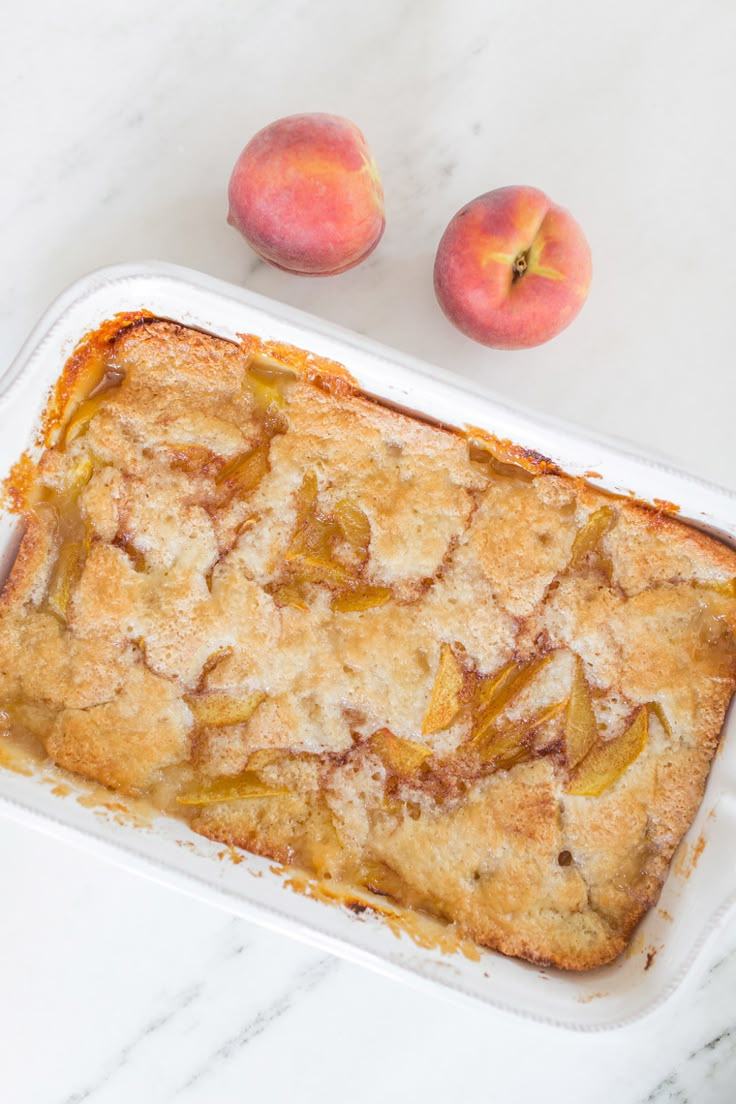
119	125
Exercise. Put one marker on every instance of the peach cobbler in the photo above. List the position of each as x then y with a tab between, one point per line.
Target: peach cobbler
394	655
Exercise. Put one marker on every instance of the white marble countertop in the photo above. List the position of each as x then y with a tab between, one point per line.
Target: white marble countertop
119	126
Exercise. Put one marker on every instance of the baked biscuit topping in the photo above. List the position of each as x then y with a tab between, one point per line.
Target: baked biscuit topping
335	635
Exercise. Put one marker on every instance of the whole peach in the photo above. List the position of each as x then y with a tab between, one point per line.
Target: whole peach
306	195
512	268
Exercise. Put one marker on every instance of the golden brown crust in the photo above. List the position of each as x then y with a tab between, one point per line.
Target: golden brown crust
27	578
237	563
125	742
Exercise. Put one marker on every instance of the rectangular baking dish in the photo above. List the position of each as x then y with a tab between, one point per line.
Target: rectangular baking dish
701	888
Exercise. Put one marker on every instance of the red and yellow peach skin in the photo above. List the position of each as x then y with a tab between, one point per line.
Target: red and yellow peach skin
512	269
306	195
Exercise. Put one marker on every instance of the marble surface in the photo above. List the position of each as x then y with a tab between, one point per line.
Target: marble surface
119	125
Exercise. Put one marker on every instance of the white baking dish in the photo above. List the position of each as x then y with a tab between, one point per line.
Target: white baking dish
701	887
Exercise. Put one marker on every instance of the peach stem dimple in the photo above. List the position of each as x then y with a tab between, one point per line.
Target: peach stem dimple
519	266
